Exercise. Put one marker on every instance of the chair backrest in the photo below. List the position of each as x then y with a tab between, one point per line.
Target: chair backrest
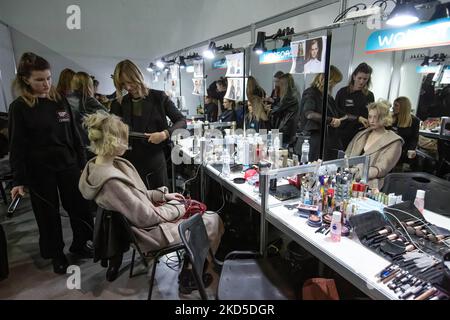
195	239
407	184
112	234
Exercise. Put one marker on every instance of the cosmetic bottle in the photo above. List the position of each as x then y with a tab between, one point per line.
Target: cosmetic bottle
336	227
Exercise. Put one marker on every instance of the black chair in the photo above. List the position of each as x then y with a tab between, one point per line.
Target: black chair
246	278
5	176
406	184
113	236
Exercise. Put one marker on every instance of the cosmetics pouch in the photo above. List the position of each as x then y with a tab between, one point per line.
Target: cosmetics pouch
392	248
366	223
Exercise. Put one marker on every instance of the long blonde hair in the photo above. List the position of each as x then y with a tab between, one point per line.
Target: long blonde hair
107	133
65	78
82	83
131	71
28	63
335	76
404	118
259	113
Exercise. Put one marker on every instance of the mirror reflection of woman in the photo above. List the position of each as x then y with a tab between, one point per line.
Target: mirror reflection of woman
229	114
406	125
353	100
256	117
146	111
383	146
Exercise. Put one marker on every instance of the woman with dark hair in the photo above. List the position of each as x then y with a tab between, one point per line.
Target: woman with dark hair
46	155
229	113
353	100
211	109
275	95
64	81
311	116
145	111
284	115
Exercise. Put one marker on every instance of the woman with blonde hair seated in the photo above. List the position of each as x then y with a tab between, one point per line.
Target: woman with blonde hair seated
115	184
384	147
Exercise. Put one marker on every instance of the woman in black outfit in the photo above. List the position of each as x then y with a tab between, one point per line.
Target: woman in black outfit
284	115
311	117
211	109
46	155
353	100
146	111
229	113
406	125
82	101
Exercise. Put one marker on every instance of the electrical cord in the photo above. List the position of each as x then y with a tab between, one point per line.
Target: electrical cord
189	180
383	2
418	219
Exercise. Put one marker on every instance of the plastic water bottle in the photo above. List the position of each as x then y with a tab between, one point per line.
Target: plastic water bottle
226	165
276	143
419	203
336	227
305	152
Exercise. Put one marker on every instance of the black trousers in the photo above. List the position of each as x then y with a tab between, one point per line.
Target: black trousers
45	185
150	164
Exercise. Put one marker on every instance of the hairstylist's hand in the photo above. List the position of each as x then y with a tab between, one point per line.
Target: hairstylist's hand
364	122
174	196
335	123
157	137
17	191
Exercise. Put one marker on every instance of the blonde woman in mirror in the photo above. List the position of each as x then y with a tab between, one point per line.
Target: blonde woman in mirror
114	184
383	146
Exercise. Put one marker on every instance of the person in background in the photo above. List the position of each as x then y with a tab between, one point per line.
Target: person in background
406	125
47	156
221	90
427	98
284	115
82	101
353	100
65	77
211	109
275	95
383	146
229	113
114	184
256	117
254	89
311	107
145	111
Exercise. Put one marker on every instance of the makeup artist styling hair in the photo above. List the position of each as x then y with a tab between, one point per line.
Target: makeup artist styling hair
46	155
145	111
353	100
115	185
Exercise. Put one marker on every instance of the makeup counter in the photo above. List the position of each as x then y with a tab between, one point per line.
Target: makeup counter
383	246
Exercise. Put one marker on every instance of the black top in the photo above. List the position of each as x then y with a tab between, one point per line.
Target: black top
228	116
255	124
43	136
149	115
284	117
211	110
354	104
410	134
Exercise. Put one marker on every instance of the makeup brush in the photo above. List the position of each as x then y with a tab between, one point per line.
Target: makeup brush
382	232
426	294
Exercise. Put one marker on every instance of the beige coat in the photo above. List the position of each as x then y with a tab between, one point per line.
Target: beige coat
118	187
384	154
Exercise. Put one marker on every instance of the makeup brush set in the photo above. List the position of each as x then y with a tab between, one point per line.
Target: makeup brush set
415	246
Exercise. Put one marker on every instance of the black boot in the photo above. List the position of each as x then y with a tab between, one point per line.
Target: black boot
114	267
60	264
